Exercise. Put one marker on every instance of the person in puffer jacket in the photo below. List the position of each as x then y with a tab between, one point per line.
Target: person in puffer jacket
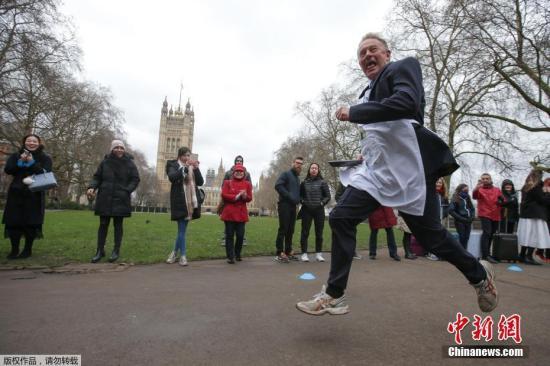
488	212
463	211
314	195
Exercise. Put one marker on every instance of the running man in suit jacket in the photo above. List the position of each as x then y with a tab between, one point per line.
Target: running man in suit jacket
401	162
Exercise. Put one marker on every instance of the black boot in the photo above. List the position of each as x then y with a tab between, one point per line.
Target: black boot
522	254
115	254
14	251
27	250
99	254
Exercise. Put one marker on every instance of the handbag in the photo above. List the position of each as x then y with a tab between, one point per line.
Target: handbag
201	195
221	204
219	208
42	182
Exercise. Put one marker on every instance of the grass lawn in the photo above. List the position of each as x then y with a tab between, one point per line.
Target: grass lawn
70	236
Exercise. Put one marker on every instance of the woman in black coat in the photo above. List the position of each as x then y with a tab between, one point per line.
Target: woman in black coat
509	203
533	217
115	180
185	197
24	212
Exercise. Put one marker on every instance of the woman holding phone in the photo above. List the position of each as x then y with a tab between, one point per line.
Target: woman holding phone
24	212
185	204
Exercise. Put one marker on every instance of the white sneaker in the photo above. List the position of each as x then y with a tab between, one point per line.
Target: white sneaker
319	257
322	303
171	258
304	258
183	260
432	257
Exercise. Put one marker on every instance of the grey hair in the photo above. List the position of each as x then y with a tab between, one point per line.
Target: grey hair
377	36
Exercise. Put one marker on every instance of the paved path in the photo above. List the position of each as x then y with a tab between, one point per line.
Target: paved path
212	313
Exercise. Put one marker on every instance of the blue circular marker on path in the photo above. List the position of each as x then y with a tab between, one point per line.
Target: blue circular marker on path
307	276
515	268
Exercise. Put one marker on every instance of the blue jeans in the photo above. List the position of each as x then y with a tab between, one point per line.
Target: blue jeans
180	239
392	247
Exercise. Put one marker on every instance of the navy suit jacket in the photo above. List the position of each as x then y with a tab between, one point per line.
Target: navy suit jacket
397	93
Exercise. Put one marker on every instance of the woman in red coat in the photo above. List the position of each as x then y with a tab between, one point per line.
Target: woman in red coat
383	218
236	192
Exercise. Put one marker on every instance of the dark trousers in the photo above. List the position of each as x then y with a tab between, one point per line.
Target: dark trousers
489	227
356	205
392	247
463	230
104	228
287	221
317	215
233	247
506	227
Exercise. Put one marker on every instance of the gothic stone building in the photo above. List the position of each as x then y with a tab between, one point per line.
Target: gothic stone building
176	130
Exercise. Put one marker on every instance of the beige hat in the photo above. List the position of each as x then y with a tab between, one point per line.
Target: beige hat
117	143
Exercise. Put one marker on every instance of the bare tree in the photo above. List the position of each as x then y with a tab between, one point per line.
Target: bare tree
36	47
330	139
266	196
146	192
512	37
457	81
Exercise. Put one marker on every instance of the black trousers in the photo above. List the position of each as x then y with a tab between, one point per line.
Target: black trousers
356	205
463	230
104	228
489	227
392	247
234	247
287	222
317	215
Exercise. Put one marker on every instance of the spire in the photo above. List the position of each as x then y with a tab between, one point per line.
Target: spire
164	109
181	89
188	105
221	164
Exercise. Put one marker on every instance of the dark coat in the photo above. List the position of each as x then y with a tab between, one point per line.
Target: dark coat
23	207
462	210
115	180
509	203
314	192
382	218
535	204
288	187
178	206
398	93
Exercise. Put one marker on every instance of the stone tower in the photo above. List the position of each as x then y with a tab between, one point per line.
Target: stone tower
176	130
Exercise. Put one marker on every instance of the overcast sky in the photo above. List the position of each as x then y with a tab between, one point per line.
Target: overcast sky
244	64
